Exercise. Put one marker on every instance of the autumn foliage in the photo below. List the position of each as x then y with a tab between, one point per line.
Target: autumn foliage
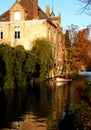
84	44
81	51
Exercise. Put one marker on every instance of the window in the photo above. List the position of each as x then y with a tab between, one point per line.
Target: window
1	33
4	17
17	15
17	32
55	37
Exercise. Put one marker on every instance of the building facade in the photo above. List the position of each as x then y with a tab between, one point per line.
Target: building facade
25	21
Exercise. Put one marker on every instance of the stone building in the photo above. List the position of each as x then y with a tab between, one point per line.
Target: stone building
25	21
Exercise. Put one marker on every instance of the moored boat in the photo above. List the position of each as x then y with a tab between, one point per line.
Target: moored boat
62	79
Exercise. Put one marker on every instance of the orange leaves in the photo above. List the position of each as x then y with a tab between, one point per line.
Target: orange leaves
83	35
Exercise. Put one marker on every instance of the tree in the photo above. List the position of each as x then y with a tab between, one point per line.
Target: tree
73	30
80	50
78	57
86	6
30	67
66	64
42	55
67	39
83	35
19	55
7	64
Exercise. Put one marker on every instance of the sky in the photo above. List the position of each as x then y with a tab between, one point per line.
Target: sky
69	11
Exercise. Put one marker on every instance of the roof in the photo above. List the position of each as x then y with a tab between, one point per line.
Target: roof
28	7
5	16
42	15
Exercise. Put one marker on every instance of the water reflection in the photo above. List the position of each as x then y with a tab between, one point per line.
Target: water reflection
41	107
33	108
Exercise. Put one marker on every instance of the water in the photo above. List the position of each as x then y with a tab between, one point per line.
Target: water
42	107
88	73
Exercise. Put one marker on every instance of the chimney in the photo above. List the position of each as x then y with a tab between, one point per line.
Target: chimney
48	10
35	9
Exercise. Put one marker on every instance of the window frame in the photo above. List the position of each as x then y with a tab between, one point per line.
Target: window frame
1	33
17	33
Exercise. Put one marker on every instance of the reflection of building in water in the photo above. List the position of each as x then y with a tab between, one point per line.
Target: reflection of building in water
48	111
66	96
72	90
59	101
30	122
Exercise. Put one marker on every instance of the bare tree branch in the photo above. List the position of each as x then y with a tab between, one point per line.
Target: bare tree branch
87	4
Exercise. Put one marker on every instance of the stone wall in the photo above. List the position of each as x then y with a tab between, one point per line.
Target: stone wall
29	31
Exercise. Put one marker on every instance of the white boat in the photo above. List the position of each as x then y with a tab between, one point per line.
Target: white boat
62	79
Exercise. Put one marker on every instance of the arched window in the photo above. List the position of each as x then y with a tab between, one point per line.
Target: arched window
17	15
1	33
17	32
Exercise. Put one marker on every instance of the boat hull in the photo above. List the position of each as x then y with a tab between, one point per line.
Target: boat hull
62	79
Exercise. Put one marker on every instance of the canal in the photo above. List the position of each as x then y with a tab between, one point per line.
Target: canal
41	107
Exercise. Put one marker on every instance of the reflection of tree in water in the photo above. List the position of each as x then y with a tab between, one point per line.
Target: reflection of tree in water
67	119
14	104
67	123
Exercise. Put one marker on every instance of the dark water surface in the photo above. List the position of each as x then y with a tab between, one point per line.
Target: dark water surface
41	107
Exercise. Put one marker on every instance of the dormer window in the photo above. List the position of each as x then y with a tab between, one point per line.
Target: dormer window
4	17
17	15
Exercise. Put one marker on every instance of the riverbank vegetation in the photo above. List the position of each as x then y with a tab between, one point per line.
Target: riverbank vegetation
78	46
19	67
81	109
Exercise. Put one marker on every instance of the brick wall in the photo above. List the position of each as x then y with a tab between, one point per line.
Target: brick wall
35	9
